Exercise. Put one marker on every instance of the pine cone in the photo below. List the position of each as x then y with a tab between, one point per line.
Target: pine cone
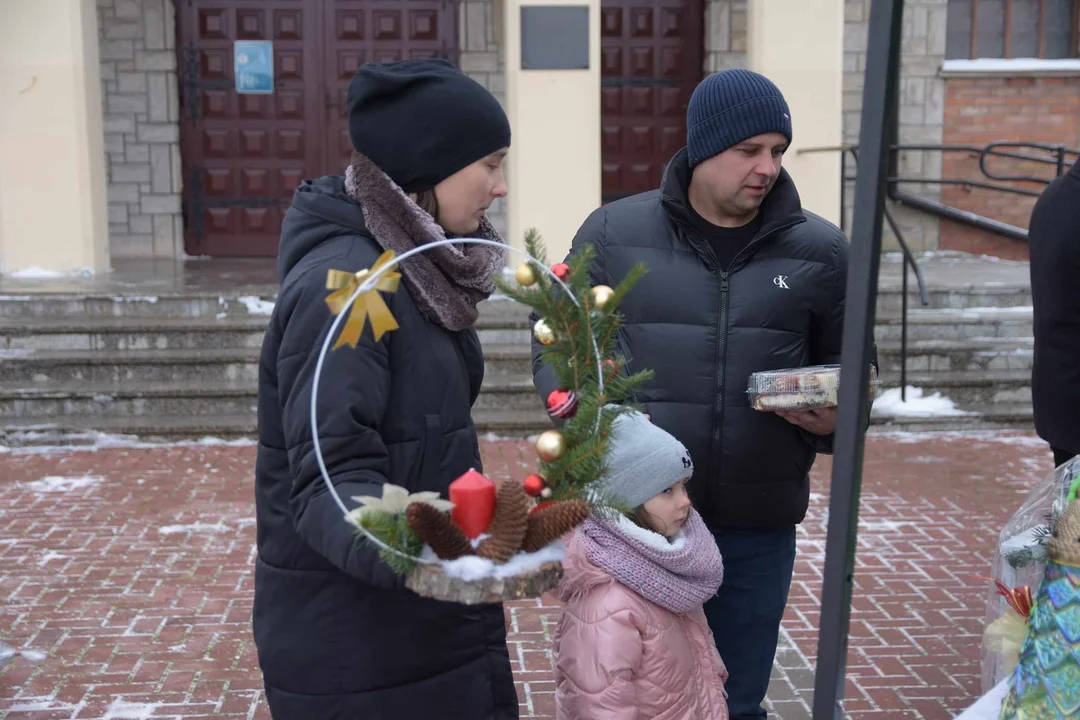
552	522
509	524
435	529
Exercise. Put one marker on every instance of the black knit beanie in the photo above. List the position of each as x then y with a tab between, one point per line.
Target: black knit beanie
729	107
423	120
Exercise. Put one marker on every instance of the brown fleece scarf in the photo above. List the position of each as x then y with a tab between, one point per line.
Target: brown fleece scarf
446	282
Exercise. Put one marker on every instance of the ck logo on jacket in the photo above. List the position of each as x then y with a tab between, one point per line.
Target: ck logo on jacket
780	281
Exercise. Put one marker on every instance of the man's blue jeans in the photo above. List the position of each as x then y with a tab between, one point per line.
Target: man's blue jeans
745	615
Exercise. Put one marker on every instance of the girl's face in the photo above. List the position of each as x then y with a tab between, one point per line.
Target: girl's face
666	513
465	196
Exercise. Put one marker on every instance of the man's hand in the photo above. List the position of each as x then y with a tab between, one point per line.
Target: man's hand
821	421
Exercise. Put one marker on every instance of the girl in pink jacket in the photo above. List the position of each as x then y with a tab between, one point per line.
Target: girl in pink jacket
633	643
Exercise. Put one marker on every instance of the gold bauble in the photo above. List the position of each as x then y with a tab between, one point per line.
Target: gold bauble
550	445
602	295
543	332
525	275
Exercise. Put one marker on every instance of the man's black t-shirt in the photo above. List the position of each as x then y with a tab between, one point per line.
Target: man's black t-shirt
726	242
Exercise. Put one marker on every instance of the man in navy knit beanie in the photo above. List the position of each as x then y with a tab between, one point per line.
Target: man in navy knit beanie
741	279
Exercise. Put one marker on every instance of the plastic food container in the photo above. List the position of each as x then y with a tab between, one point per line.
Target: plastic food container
803	388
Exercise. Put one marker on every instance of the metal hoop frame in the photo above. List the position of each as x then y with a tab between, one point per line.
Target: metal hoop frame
367	286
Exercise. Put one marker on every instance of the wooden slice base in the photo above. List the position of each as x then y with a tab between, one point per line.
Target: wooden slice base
430	581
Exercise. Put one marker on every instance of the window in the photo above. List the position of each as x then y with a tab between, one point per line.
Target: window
1012	29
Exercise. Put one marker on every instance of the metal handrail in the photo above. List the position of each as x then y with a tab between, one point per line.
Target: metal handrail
1057	155
909	257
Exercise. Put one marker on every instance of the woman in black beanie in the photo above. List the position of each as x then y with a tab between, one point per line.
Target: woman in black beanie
338	636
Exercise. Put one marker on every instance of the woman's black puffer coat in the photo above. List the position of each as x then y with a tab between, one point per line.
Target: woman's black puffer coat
337	635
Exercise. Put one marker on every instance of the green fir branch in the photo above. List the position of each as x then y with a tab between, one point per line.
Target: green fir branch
393	530
577	325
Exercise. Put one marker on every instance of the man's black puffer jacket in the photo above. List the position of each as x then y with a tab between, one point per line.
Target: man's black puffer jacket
703	331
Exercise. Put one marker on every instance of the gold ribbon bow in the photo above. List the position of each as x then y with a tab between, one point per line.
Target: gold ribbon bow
367	304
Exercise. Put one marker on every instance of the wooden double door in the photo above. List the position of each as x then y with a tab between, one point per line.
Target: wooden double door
244	154
652	58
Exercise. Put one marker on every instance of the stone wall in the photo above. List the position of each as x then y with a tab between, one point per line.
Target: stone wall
142	131
481	57
922	108
725	35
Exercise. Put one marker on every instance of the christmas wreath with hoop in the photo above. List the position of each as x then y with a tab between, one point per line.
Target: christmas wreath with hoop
487	541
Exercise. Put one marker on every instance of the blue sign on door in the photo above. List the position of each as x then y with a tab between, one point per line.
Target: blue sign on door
253	66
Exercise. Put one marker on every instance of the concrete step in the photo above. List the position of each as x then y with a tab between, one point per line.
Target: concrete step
891	300
508	394
130	399
956	324
131	333
972	354
970	387
123	366
88	430
505	364
251	303
195	396
999	416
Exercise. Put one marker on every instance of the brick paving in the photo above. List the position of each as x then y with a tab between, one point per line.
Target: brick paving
131	569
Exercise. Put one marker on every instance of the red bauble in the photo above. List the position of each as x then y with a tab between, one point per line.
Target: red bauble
561	270
473	496
534	485
562	404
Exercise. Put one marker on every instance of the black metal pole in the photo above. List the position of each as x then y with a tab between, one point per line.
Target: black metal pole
879	94
903	336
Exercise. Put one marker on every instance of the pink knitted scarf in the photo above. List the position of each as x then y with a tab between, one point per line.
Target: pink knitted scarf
680	575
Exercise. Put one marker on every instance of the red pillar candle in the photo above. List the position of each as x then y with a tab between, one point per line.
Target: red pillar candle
473	496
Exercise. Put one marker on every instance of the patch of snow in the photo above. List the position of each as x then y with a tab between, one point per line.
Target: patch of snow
36	273
105	441
124	710
1024	309
890	404
495	437
472	567
55	484
883	525
47	705
1010	65
15	298
135	298
49	556
912	438
256	305
194	527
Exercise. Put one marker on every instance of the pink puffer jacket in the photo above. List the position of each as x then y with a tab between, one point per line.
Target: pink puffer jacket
619	656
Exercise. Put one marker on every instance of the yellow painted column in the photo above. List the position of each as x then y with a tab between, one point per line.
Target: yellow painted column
53	207
554	163
799	45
